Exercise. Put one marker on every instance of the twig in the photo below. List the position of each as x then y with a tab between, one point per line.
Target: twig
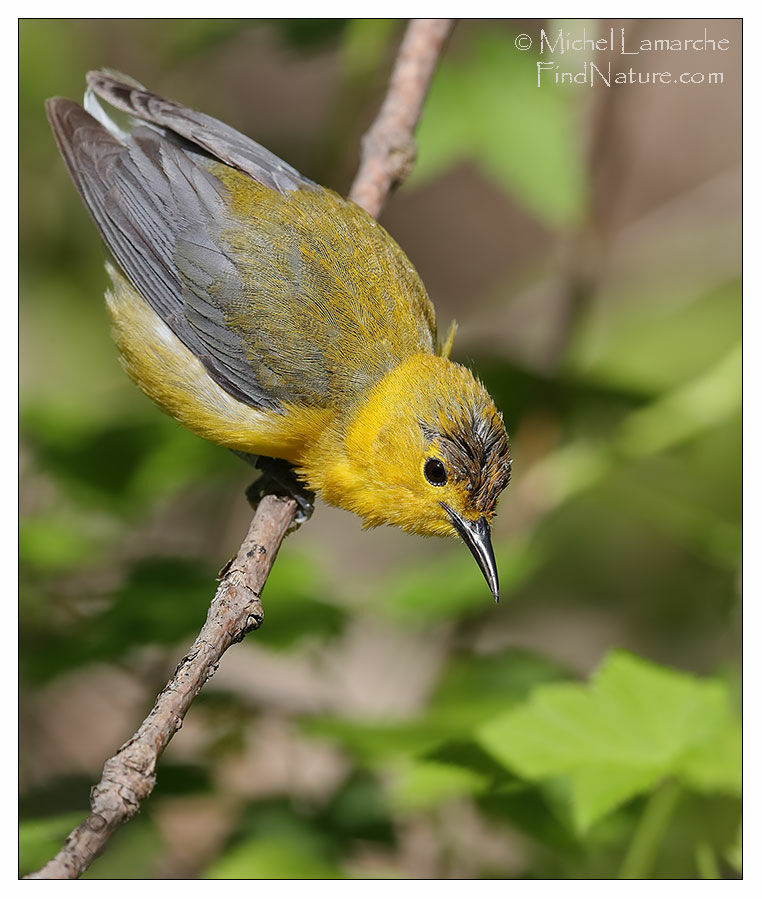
388	148
129	776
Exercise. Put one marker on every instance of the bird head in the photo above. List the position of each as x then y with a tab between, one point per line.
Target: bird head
426	451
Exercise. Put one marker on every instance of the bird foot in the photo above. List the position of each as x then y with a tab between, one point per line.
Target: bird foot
278	478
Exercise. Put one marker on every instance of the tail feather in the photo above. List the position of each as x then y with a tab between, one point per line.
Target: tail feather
211	135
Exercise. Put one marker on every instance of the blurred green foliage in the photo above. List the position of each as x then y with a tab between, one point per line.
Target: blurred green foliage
627	519
522	138
613	741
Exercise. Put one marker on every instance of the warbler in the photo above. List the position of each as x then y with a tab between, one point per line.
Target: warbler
272	316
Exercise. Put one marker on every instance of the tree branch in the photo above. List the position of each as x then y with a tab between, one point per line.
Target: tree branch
129	776
388	147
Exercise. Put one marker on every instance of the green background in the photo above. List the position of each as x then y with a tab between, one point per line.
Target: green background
388	719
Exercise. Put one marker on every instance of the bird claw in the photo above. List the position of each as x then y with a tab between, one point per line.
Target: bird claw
278	478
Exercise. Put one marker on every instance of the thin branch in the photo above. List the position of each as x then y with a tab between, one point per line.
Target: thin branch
388	148
129	776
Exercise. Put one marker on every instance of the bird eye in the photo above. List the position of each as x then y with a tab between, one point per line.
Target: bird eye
435	472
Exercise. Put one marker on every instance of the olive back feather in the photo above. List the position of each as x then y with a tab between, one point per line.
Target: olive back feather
283	290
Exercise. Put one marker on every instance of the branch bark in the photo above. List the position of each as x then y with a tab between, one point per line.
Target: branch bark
129	776
388	147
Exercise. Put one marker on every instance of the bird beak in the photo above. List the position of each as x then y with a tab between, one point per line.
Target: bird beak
476	535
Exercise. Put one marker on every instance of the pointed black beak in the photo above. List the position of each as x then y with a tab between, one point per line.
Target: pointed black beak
476	535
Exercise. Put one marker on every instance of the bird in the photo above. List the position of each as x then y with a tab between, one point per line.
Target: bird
272	316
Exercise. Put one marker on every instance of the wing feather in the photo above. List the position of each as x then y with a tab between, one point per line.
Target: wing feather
149	198
217	138
285	292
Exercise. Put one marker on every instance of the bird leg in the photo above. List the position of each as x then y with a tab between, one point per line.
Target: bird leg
278	478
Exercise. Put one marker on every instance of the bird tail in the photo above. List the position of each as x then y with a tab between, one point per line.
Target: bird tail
114	119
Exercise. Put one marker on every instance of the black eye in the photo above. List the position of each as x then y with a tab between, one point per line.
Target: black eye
435	472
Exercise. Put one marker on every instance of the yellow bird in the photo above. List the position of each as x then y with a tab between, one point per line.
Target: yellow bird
271	316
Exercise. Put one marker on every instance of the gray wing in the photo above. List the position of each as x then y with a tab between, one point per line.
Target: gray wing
215	137
155	206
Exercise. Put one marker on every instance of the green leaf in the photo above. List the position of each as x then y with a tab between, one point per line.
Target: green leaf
597	790
163	601
635	724
271	858
715	766
96	459
309	34
631	337
488	108
473	690
50	542
685	412
423	784
471	757
376	743
529	811
123	462
359	811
